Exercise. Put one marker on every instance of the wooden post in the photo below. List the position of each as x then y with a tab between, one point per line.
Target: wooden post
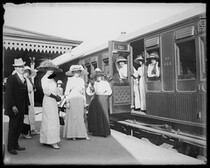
32	64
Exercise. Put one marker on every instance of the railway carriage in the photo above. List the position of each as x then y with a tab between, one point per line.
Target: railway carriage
178	97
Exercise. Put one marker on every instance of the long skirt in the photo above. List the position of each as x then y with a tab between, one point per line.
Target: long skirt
74	121
98	117
50	126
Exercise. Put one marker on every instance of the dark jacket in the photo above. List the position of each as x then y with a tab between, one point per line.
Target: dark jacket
16	95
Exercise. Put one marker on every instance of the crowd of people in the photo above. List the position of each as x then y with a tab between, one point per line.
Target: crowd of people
19	104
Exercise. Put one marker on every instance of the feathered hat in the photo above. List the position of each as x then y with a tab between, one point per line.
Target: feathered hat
48	65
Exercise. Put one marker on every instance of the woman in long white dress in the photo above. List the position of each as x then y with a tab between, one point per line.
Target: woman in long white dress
50	126
75	97
139	74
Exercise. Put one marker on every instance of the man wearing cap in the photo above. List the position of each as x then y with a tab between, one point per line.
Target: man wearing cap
16	105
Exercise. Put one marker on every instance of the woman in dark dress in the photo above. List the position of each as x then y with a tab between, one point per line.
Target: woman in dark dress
98	117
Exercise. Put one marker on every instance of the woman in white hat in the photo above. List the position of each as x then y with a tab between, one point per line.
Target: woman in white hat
29	120
122	68
76	101
98	117
50	125
153	71
139	75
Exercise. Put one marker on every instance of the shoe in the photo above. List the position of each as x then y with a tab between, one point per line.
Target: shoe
34	132
20	148
27	136
55	146
87	138
13	151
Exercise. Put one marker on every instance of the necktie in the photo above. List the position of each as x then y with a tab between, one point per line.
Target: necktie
24	81
154	70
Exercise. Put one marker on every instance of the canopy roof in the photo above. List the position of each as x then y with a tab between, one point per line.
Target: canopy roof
15	38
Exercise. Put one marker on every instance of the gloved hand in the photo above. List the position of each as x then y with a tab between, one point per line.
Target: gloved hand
14	109
56	97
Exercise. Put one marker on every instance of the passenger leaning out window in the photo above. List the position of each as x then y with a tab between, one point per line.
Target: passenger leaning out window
153	72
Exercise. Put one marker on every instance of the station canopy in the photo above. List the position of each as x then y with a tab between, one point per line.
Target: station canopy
19	39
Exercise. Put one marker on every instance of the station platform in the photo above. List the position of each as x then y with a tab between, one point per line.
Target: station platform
116	149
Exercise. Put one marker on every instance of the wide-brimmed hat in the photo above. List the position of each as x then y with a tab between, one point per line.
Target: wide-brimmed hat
32	72
76	68
59	82
153	55
97	72
18	62
121	59
139	58
47	65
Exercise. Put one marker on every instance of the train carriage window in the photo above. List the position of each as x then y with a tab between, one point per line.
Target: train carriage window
153	64
186	55
152	55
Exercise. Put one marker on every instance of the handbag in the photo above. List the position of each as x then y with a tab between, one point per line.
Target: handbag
61	117
61	120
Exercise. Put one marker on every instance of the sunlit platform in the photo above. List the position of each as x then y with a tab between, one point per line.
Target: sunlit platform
116	149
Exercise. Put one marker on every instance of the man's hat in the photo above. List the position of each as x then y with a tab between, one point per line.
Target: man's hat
18	62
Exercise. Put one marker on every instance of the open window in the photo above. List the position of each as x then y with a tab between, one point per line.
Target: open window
152	45
186	53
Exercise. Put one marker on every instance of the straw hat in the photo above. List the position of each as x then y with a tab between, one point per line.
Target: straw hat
97	72
32	72
153	55
76	68
48	65
18	62
139	58
59	82
121	59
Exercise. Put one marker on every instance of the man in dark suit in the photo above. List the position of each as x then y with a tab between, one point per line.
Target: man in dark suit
16	105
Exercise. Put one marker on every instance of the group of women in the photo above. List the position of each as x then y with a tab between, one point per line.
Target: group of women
153	73
74	94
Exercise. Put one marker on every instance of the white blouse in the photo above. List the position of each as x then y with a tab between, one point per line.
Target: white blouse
123	72
99	88
75	86
150	68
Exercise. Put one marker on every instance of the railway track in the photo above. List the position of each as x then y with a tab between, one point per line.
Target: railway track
191	145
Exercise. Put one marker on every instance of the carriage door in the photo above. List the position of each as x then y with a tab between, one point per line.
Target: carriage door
120	100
